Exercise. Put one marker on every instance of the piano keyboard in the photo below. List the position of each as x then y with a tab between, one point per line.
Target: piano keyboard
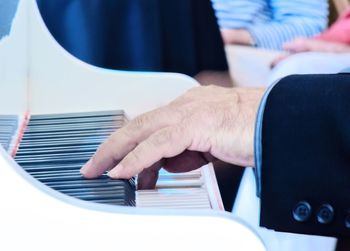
54	147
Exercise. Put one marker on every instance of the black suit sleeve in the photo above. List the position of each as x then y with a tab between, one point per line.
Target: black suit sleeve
304	181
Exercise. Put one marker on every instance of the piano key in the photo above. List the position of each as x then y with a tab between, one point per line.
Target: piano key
64	155
50	167
8	118
111	193
71	138
7	128
66	130
77	115
56	172
61	186
56	150
76	120
67	134
74	123
108	201
51	160
92	189
179	183
59	144
62	128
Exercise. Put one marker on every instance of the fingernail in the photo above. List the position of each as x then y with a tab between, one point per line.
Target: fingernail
86	167
114	173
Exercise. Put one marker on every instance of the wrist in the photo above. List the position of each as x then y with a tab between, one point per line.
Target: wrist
248	103
237	36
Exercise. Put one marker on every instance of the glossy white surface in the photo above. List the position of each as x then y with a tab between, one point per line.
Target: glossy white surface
34	217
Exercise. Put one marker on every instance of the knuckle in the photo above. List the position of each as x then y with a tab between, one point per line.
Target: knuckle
167	136
162	138
131	129
138	123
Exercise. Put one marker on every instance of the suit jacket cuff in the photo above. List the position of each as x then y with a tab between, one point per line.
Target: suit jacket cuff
302	155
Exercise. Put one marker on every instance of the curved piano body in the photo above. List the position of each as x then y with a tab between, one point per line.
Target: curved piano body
37	76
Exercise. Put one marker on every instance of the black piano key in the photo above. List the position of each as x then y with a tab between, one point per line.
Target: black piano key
68	134
35	143
76	120
59	145
97	196
55	159
76	184
55	150
75	128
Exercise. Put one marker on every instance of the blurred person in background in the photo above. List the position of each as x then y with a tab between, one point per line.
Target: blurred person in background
328	52
269	24
154	35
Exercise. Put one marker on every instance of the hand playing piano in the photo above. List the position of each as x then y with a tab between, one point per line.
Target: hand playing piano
204	124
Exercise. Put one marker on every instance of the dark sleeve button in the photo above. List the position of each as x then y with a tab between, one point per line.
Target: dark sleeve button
325	214
302	211
347	221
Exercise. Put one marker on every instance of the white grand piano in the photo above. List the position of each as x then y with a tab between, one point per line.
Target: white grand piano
37	76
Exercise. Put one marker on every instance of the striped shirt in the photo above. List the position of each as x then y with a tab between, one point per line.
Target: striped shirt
273	22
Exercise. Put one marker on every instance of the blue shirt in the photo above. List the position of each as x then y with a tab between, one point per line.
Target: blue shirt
273	22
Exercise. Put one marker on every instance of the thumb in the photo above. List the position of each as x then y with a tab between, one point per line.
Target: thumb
147	179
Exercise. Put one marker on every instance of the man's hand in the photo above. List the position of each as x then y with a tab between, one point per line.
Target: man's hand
236	36
204	124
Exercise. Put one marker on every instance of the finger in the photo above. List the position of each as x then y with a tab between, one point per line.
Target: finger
184	162
165	143
147	179
126	139
107	155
